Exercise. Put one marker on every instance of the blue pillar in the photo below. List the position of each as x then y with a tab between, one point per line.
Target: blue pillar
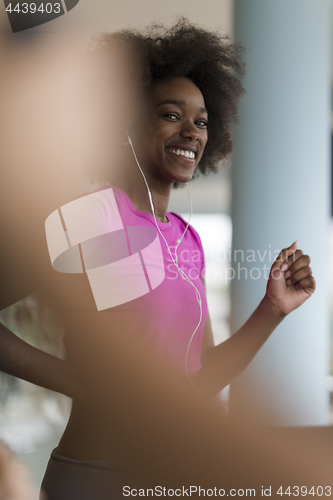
281	191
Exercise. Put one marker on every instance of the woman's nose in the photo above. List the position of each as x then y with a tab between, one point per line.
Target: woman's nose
190	131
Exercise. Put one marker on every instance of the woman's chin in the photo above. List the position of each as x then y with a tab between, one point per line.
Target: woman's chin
183	177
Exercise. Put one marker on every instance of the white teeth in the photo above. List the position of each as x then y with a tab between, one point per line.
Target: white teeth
181	152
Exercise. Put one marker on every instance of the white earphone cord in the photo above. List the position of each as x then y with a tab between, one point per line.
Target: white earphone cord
175	261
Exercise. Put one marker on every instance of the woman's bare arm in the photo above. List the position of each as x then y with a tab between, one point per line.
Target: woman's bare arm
290	284
38	367
222	363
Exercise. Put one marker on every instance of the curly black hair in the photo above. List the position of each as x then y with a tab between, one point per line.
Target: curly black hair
210	60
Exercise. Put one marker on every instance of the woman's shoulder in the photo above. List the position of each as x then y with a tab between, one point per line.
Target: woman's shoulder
182	223
178	219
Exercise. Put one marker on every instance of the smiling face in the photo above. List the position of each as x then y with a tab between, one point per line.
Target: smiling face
175	135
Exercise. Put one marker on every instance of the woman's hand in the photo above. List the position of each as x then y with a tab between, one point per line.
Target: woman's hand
290	281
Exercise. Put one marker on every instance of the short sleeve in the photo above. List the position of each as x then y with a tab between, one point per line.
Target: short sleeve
196	244
200	248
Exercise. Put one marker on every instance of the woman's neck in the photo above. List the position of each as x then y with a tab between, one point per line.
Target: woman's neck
135	188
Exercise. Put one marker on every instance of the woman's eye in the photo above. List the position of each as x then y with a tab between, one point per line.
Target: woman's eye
202	123
171	116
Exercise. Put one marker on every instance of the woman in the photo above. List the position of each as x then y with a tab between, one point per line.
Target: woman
157	326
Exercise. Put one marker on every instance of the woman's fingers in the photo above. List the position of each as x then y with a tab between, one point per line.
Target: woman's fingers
291	259
285	254
296	267
280	262
308	284
294	264
298	272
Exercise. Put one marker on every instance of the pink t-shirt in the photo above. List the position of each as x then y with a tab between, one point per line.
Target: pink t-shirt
170	312
129	270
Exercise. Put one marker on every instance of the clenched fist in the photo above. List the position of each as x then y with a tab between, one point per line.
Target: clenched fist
290	281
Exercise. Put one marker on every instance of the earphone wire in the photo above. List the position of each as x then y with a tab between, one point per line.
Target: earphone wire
175	260
188	222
